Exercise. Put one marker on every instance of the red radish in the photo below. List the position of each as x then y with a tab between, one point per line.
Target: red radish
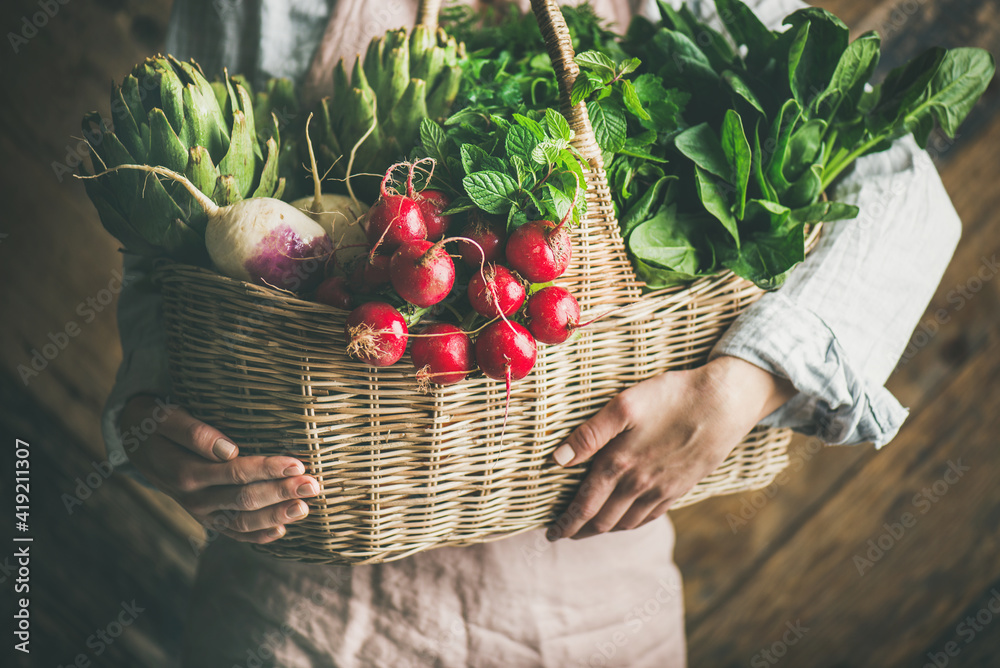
376	334
491	237
432	203
376	270
442	354
495	291
505	351
422	273
553	314
259	240
333	292
394	220
540	250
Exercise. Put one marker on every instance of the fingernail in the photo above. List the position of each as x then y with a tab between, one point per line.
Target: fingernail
563	454
298	510
552	534
295	469
224	450
276	532
307	489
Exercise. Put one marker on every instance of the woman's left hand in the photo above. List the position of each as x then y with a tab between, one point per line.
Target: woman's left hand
657	439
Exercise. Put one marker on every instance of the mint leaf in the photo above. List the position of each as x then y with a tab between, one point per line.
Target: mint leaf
491	191
433	139
597	62
632	101
520	143
459	205
472	158
547	152
520	169
532	125
628	66
585	84
609	124
558	126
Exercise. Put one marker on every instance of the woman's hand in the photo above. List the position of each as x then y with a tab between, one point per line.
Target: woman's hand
657	439
248	498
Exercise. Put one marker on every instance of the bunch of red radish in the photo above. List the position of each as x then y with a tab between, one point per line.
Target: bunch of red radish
409	255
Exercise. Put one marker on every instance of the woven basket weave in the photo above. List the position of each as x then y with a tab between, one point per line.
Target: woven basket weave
402	470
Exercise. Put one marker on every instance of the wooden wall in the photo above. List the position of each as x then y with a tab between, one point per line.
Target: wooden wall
793	560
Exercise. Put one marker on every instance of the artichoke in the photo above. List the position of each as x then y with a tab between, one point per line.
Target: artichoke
403	79
280	99
166	113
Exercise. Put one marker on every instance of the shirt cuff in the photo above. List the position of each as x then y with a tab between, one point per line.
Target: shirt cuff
834	402
142	371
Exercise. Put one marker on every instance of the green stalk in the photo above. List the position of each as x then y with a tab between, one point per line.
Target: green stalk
833	169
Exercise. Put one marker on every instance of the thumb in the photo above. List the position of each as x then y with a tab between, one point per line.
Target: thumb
592	435
176	424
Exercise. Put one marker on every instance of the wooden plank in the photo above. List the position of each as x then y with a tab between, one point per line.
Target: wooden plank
962	641
934	569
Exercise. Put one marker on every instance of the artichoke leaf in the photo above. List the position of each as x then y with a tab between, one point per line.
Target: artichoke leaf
165	148
269	175
125	126
239	161
172	103
246	106
226	191
201	171
392	87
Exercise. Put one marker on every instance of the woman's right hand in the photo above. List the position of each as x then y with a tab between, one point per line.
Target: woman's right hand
249	498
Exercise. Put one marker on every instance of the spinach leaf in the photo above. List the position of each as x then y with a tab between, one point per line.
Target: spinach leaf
847	83
957	85
644	207
713	198
737	151
824	212
701	146
817	54
746	29
902	87
669	240
766	258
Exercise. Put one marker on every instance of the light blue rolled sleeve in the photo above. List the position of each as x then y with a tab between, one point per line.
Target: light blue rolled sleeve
840	323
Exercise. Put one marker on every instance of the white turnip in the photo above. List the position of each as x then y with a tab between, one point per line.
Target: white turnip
259	240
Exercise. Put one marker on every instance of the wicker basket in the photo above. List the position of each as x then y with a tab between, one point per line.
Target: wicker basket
402	470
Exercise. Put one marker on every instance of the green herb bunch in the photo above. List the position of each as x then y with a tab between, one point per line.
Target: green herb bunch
519	169
765	122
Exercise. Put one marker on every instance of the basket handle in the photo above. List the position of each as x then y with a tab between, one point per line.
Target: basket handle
600	273
427	14
560	49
